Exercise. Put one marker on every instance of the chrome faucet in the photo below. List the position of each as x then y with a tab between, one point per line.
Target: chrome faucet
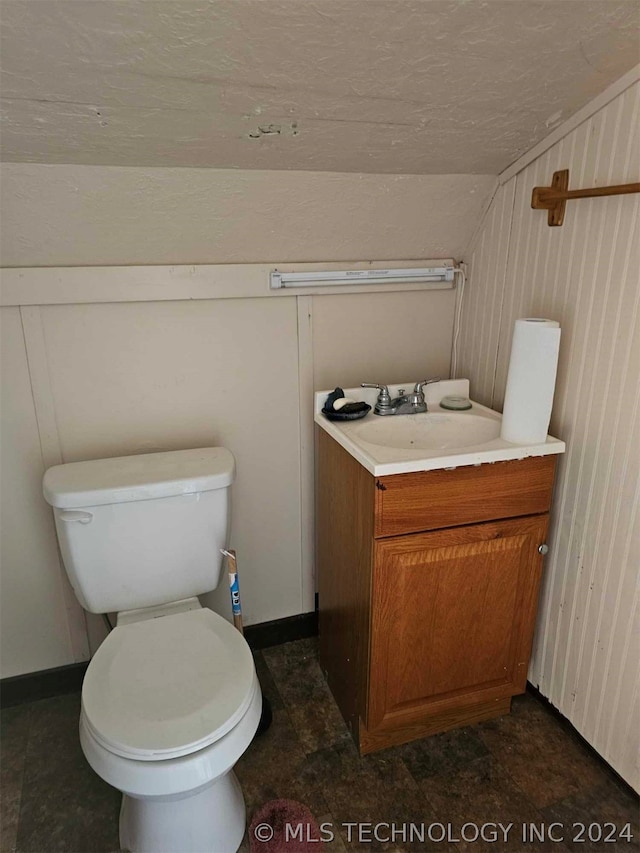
403	404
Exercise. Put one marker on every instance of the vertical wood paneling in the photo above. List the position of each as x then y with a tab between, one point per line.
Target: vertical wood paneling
481	308
584	274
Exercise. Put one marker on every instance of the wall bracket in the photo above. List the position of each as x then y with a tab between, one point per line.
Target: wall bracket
554	198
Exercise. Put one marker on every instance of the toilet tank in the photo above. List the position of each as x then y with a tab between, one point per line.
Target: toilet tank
137	531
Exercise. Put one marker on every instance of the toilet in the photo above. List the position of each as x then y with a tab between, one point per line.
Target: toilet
170	700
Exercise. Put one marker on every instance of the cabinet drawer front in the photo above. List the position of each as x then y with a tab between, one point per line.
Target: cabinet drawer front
429	500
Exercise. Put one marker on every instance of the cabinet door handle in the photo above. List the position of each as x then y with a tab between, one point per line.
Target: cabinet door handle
543	549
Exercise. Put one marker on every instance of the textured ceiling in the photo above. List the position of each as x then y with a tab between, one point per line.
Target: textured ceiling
387	86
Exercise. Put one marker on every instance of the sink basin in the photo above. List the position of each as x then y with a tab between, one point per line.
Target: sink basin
436	440
430	431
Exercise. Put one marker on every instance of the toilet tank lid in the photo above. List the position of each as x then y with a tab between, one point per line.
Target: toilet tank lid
138	478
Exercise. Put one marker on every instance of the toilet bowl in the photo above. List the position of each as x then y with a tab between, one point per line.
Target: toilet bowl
169	704
170	700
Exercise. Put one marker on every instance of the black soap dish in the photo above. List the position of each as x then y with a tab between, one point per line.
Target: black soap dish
349	412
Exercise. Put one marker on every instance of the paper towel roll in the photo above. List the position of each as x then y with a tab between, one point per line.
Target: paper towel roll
531	381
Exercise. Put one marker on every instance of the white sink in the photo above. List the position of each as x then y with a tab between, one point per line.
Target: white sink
429	431
437	439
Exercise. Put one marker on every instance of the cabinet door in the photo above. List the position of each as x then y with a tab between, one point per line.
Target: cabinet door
452	618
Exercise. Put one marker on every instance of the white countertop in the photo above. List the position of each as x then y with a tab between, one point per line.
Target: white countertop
381	460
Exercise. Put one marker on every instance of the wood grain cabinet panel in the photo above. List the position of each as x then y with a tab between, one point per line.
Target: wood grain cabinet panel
430	500
426	631
344	535
453	614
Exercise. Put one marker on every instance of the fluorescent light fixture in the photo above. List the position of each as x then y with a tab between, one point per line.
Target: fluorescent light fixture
330	278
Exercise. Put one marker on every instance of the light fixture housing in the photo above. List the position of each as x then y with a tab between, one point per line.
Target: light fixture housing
331	278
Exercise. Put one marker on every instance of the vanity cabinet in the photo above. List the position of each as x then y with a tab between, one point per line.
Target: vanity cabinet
428	586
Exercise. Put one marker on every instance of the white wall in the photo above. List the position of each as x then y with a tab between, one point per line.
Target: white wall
96	215
584	274
395	330
126	359
32	604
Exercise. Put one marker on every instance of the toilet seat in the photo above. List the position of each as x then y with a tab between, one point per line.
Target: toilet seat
166	687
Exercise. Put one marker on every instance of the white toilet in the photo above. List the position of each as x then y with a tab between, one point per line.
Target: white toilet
170	700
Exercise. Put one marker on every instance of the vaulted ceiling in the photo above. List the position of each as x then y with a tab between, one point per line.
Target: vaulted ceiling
384	86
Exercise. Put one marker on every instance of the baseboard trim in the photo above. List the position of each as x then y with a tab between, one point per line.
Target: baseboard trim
33	686
280	631
42	685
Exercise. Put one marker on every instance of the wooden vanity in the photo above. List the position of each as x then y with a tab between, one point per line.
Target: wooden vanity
428	587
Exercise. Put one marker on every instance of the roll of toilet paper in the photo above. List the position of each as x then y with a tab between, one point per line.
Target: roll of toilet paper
531	381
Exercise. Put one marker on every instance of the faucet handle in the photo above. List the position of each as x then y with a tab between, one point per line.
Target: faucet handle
384	391
419	385
384	398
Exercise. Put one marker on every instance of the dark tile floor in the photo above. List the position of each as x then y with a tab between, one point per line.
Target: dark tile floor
526	768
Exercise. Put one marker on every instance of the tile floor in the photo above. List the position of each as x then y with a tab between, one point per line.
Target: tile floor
523	768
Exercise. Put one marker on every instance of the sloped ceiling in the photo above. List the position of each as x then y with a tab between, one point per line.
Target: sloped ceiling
381	86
